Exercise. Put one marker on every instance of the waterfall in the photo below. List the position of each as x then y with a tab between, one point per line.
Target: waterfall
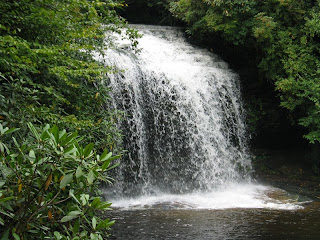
183	128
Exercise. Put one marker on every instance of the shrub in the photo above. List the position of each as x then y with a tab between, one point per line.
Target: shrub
49	186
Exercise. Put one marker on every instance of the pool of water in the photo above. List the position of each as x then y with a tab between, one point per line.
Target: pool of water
217	224
274	214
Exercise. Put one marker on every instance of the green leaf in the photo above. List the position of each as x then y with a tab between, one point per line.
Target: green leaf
105	155
45	135
94	223
96	202
69	139
16	236
6	199
16	142
106	164
11	130
9	214
46	128
104	224
2	147
57	235
62	135
67	218
104	206
32	154
73	196
0	73
7	206
79	149
114	166
74	213
66	180
91	177
5	235
33	130
79	172
88	149
84	199
55	131
93	236
6	171
115	157
70	150
76	226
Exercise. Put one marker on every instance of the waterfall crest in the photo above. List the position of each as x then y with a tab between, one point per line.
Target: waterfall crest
184	128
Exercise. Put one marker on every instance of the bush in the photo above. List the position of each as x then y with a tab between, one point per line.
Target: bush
47	70
49	186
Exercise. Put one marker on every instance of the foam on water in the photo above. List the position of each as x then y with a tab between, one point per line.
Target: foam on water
236	196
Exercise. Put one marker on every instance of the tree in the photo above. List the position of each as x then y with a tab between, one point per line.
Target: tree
49	186
285	35
49	181
47	69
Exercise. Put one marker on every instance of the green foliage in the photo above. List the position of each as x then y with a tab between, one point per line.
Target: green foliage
48	74
47	69
49	186
285	35
263	28
224	17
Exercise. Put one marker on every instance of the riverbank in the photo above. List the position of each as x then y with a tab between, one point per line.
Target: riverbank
287	170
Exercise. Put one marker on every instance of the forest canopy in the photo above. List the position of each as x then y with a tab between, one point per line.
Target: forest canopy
47	70
285	35
51	90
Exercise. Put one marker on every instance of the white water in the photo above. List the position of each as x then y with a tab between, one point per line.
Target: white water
234	196
184	128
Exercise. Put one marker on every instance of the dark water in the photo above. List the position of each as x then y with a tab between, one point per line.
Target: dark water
166	223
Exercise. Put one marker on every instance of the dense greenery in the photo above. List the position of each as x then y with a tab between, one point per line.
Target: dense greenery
49	186
48	74
285	36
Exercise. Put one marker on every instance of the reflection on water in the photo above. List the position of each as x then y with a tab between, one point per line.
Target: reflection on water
163	222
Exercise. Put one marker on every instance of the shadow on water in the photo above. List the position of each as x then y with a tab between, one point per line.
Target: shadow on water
165	222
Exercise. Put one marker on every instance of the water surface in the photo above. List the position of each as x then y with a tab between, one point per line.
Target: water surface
242	223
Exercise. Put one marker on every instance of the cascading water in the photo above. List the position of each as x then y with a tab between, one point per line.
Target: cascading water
184	128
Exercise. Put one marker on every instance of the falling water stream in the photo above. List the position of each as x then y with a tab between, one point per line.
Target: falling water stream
186	140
